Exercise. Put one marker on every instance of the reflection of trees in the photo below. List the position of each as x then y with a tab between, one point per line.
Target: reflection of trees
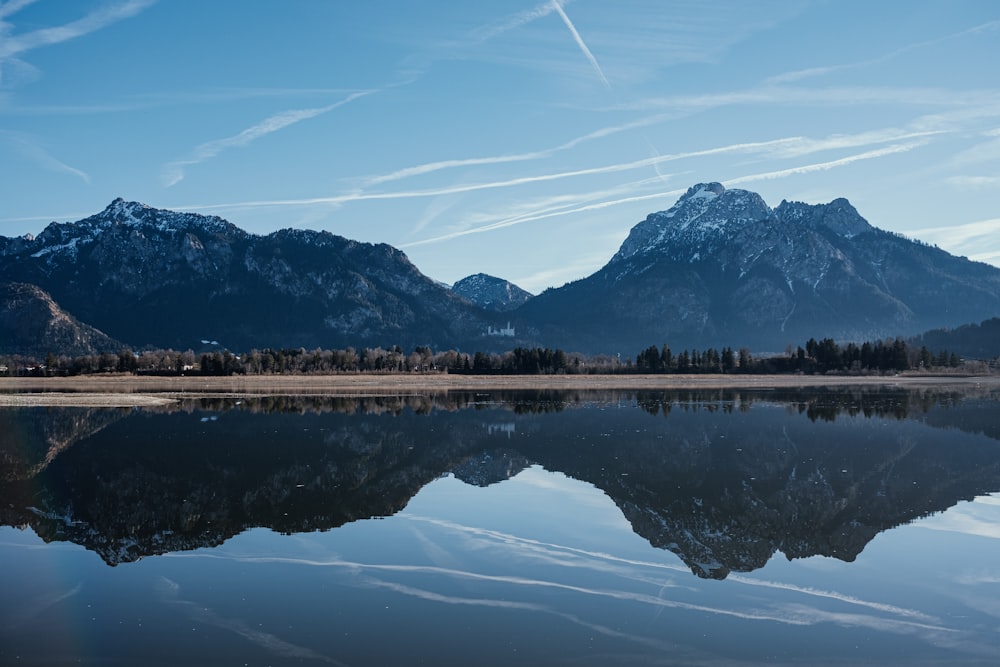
38	435
823	404
517	401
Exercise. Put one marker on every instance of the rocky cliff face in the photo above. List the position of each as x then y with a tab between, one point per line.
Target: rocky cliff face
720	268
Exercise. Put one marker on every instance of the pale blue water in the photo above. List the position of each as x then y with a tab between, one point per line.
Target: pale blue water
598	533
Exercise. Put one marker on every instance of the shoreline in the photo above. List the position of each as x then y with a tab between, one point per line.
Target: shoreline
139	391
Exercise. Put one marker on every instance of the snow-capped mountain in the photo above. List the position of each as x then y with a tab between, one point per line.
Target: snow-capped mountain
156	277
490	292
720	267
702	217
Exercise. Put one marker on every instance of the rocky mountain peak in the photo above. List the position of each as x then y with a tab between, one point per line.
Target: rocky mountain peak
491	292
137	215
122	221
122	211
839	216
705	212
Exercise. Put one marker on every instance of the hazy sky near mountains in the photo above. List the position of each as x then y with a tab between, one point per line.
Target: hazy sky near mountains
519	138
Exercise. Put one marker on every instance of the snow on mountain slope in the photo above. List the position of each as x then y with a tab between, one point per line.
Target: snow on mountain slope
490	292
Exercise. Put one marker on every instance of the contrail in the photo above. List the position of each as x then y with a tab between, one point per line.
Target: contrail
557	5
514	22
766	176
421	169
173	172
14	45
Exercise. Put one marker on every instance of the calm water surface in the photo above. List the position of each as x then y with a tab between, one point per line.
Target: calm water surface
661	528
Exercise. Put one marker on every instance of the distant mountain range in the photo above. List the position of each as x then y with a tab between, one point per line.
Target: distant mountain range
718	268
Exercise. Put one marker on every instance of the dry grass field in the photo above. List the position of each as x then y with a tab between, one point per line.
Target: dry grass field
128	390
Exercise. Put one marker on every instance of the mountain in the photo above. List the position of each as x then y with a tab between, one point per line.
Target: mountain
721	267
33	324
491	293
168	279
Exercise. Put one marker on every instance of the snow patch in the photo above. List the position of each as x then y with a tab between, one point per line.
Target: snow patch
69	246
703	193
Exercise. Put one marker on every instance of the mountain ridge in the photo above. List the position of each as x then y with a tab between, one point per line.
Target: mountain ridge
168	279
720	267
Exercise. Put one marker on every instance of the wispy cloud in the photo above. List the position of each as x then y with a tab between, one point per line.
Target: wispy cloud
557	5
979	241
971	182
431	167
14	6
590	171
173	172
779	95
572	206
782	147
824	166
805	145
12	46
34	152
799	75
576	266
513	22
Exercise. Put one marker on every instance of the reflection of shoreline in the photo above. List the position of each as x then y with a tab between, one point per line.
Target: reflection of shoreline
723	478
91	391
821	401
45	431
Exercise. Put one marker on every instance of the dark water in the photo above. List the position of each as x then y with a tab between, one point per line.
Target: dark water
723	528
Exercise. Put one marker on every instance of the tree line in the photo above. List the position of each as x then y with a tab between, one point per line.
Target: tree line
823	356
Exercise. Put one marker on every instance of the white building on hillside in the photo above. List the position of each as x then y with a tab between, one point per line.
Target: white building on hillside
508	331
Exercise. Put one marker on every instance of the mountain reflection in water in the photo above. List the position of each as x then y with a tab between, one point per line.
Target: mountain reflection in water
724	479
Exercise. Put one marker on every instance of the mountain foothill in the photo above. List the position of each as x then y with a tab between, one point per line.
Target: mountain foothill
718	268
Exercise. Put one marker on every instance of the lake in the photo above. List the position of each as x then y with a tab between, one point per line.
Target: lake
728	527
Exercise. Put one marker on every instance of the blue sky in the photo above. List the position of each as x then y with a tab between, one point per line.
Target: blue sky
518	138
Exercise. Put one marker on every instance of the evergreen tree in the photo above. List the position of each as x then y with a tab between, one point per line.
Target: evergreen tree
666	358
